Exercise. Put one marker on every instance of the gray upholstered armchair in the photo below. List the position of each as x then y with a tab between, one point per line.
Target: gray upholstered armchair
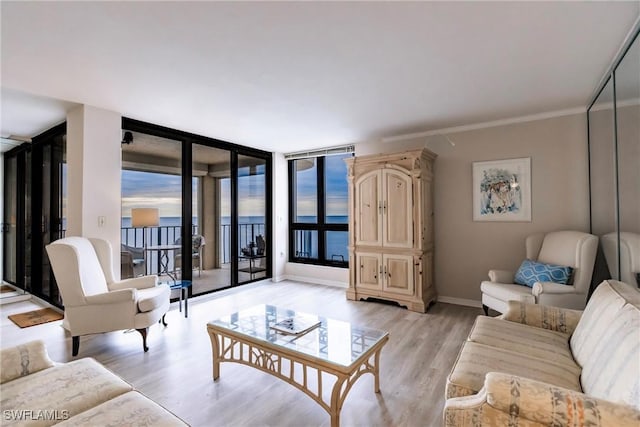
131	262
197	246
567	248
93	301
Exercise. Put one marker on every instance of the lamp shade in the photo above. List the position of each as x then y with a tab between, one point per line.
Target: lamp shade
145	217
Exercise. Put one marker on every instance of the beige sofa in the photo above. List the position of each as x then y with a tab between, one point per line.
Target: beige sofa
547	366
35	391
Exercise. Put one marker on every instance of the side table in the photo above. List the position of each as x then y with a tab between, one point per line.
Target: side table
252	269
183	286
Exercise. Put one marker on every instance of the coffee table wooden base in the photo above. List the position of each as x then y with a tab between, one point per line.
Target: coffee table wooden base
297	369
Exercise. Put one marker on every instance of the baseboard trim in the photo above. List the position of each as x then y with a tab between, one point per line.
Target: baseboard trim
314	280
15	298
461	301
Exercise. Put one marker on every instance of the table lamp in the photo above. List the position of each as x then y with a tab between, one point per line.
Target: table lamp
144	217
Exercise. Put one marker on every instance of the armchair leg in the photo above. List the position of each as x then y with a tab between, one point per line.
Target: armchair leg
75	345
143	332
486	310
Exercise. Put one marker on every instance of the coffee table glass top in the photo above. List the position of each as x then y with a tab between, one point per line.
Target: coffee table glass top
335	341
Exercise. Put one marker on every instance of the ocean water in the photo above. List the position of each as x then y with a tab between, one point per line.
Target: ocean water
249	227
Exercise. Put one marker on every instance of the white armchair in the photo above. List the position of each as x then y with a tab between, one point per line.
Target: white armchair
93	301
567	248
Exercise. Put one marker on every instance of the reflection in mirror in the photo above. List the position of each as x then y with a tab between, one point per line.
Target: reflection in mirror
602	179
627	77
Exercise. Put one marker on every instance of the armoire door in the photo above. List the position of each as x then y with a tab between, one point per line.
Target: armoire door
398	274
369	270
397	204
369	209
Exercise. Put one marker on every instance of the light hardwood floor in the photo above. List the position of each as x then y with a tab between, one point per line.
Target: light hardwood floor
177	370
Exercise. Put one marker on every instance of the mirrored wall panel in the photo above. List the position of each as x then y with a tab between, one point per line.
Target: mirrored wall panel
614	170
627	78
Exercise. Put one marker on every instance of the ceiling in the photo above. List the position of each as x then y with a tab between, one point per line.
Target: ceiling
289	76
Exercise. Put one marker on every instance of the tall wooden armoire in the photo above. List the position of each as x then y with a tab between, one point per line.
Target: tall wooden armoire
391	228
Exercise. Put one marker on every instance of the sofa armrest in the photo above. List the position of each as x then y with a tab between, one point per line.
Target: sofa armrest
501	276
552	405
141	282
543	316
23	360
512	400
112	297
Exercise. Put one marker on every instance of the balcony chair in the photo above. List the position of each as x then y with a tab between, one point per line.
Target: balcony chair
197	247
131	261
629	256
565	248
93	301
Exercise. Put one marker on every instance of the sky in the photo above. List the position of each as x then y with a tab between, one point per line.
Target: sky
163	191
152	190
336	192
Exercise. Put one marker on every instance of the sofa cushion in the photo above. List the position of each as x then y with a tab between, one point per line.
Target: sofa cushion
613	370
66	389
23	360
508	292
595	324
129	409
151	298
475	360
516	337
531	272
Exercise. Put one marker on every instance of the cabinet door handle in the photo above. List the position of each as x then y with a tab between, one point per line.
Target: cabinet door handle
380	208
384	207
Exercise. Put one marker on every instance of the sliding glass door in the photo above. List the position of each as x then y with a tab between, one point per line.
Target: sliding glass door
48	210
224	224
34	212
211	244
12	228
252	218
151	222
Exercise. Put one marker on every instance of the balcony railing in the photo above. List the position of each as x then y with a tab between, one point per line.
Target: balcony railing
137	237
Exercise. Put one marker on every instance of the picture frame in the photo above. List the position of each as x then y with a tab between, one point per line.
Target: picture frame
502	190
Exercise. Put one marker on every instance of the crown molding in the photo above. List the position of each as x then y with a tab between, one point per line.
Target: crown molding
490	124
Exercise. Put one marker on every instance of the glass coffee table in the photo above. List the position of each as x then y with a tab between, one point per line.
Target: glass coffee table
324	362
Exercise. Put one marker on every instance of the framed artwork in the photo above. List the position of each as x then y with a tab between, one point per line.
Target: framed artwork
502	190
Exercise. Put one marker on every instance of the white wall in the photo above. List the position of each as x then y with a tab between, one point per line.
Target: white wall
331	276
94	174
280	227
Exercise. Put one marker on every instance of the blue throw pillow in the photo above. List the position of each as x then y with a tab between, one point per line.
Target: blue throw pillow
531	272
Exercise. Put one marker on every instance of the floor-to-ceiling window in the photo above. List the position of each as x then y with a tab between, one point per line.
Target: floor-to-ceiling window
151	220
13	185
34	211
319	209
252	218
211	245
221	191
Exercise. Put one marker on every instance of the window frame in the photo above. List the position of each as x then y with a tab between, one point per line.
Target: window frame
321	227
